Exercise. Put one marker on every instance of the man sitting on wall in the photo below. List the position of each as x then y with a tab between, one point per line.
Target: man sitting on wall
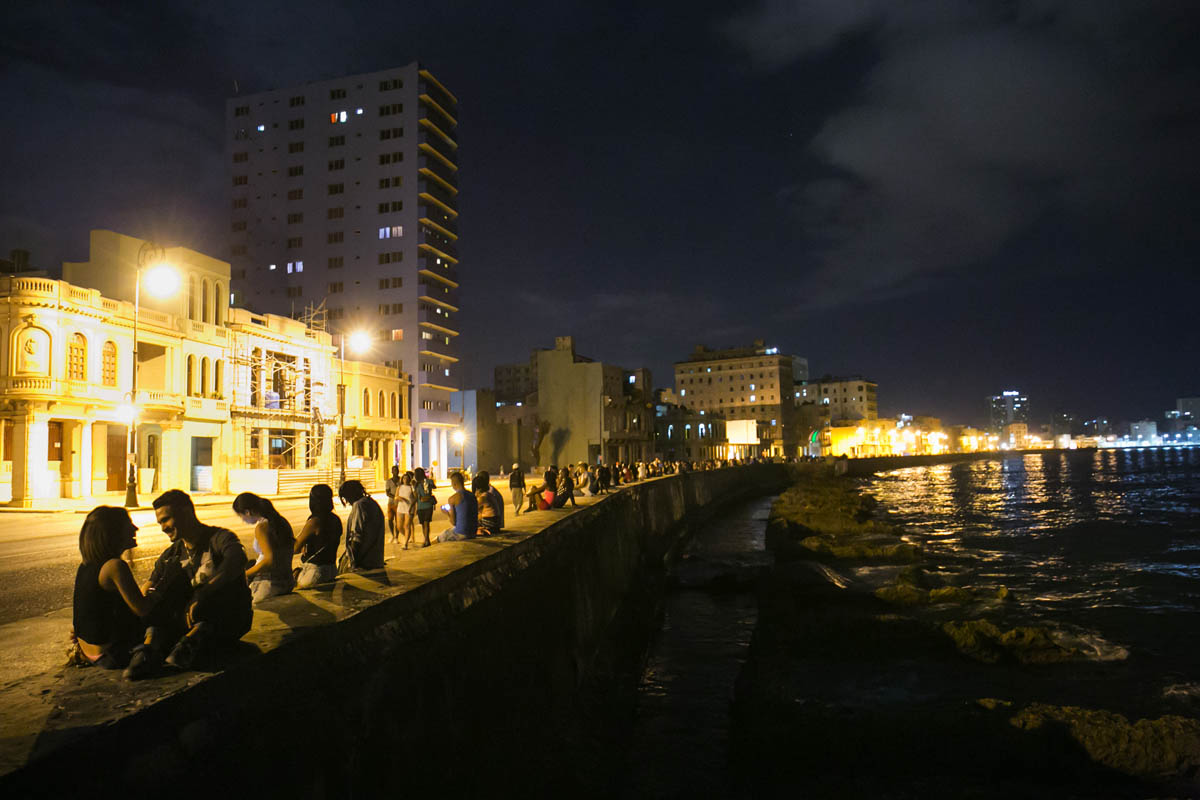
462	510
199	582
364	527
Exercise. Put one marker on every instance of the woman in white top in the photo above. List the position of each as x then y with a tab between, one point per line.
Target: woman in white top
271	572
404	504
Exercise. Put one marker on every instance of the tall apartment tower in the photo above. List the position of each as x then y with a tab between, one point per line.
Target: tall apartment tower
344	200
1007	408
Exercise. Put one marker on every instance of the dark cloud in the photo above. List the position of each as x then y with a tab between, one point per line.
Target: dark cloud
884	187
975	122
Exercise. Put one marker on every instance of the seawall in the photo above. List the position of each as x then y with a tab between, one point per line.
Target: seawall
463	683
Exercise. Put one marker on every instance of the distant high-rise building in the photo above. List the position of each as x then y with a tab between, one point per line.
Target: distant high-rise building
344	200
1188	407
1006	408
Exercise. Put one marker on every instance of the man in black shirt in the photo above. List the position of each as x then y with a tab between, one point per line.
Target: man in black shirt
200	583
516	487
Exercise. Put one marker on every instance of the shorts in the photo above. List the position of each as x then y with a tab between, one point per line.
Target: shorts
311	575
425	514
262	587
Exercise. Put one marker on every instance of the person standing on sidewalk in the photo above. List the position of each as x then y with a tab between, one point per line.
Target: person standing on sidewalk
393	483
405	511
423	490
516	487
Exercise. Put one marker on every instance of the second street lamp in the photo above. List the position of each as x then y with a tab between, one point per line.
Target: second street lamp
460	439
360	342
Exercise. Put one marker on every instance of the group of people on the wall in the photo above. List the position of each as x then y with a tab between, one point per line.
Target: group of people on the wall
201	591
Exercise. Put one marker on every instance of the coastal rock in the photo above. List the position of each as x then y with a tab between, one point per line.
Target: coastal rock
984	641
1165	747
896	553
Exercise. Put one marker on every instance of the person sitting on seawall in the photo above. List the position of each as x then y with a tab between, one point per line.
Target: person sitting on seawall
274	543
199	584
109	608
541	495
591	484
565	491
318	541
423	491
462	510
364	527
489	503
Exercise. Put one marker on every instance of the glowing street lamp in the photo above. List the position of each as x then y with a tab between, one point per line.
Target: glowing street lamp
460	439
162	280
360	342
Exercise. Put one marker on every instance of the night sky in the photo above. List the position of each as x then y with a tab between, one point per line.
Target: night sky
952	198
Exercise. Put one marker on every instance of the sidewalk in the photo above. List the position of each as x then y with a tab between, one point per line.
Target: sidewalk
82	505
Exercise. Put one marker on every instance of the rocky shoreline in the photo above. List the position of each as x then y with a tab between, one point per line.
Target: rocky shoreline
875	673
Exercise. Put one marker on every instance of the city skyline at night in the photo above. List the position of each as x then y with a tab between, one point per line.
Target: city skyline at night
945	200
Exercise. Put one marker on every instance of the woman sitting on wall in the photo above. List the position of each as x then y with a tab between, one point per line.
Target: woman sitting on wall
109	608
271	573
318	541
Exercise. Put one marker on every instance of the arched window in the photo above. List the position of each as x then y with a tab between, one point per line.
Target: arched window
218	376
77	358
108	364
218	305
381	409
395	409
366	409
191	375
191	296
204	377
204	317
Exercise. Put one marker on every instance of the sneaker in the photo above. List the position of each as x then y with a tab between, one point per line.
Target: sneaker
144	663
183	654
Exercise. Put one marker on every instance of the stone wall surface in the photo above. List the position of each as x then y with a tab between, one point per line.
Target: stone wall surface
463	683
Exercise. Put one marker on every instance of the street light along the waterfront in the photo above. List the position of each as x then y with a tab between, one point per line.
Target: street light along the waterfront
360	342
460	439
162	280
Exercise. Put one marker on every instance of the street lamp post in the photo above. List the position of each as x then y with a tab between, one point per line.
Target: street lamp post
360	342
147	254
460	439
342	411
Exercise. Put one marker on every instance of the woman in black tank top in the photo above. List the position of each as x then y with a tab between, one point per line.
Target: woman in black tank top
109	608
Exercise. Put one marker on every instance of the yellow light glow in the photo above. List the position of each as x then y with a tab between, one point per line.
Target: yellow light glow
359	342
161	280
125	413
459	438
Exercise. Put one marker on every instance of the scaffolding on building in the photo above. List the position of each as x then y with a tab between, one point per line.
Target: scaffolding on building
274	391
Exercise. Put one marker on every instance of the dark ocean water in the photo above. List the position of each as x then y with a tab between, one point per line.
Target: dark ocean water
679	742
1101	546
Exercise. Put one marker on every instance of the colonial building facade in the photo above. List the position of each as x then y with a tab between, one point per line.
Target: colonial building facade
218	390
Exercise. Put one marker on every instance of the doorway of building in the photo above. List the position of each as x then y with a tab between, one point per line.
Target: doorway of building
118	442
202	450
